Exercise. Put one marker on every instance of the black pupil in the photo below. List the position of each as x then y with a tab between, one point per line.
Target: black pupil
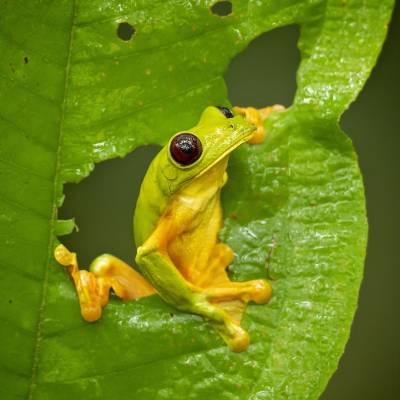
185	148
226	111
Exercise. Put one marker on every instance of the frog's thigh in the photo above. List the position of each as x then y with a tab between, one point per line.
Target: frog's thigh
218	286
125	281
215	271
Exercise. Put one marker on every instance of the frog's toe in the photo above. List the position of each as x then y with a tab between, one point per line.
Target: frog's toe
91	312
261	291
257	118
237	339
64	256
89	295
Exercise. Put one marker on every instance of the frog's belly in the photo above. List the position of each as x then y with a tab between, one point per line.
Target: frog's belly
191	252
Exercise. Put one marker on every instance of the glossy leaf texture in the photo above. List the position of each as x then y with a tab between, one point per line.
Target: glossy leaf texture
73	93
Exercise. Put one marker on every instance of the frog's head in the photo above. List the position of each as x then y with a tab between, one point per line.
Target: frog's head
191	153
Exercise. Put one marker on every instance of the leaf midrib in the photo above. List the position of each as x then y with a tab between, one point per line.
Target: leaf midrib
39	328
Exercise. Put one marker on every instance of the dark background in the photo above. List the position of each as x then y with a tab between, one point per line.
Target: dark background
370	367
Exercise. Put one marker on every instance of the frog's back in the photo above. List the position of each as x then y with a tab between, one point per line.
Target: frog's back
151	202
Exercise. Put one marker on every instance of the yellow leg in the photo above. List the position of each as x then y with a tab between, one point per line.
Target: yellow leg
215	272
258	290
218	289
106	272
229	328
257	117
124	280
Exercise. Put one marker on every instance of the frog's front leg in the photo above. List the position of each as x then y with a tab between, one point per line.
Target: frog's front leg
257	118
156	265
106	272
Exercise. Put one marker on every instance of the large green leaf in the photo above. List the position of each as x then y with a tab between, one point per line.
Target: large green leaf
73	93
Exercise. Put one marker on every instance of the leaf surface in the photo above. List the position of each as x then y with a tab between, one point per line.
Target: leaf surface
72	93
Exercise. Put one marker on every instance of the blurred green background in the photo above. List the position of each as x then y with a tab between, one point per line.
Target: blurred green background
264	74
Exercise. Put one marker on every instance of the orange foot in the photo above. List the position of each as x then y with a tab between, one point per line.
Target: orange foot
257	117
106	272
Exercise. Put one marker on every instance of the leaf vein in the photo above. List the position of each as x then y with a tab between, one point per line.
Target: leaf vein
39	328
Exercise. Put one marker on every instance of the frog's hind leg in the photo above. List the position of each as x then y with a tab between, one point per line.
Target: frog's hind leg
215	270
231	296
258	290
106	272
226	324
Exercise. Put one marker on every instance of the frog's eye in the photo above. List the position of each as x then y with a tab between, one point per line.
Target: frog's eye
226	111
185	148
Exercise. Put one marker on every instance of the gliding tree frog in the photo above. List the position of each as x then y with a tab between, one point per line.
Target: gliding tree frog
177	220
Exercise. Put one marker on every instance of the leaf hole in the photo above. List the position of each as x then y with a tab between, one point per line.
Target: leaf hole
26	60
103	206
265	72
125	31
222	8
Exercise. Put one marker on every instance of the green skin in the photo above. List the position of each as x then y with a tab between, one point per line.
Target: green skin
164	179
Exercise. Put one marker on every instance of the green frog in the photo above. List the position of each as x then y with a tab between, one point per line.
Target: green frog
177	220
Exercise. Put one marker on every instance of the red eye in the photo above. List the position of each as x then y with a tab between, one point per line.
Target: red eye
185	148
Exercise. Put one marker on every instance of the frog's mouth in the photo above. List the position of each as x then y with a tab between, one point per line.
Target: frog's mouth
235	144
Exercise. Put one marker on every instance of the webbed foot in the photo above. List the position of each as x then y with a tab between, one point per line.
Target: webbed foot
223	306
106	272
